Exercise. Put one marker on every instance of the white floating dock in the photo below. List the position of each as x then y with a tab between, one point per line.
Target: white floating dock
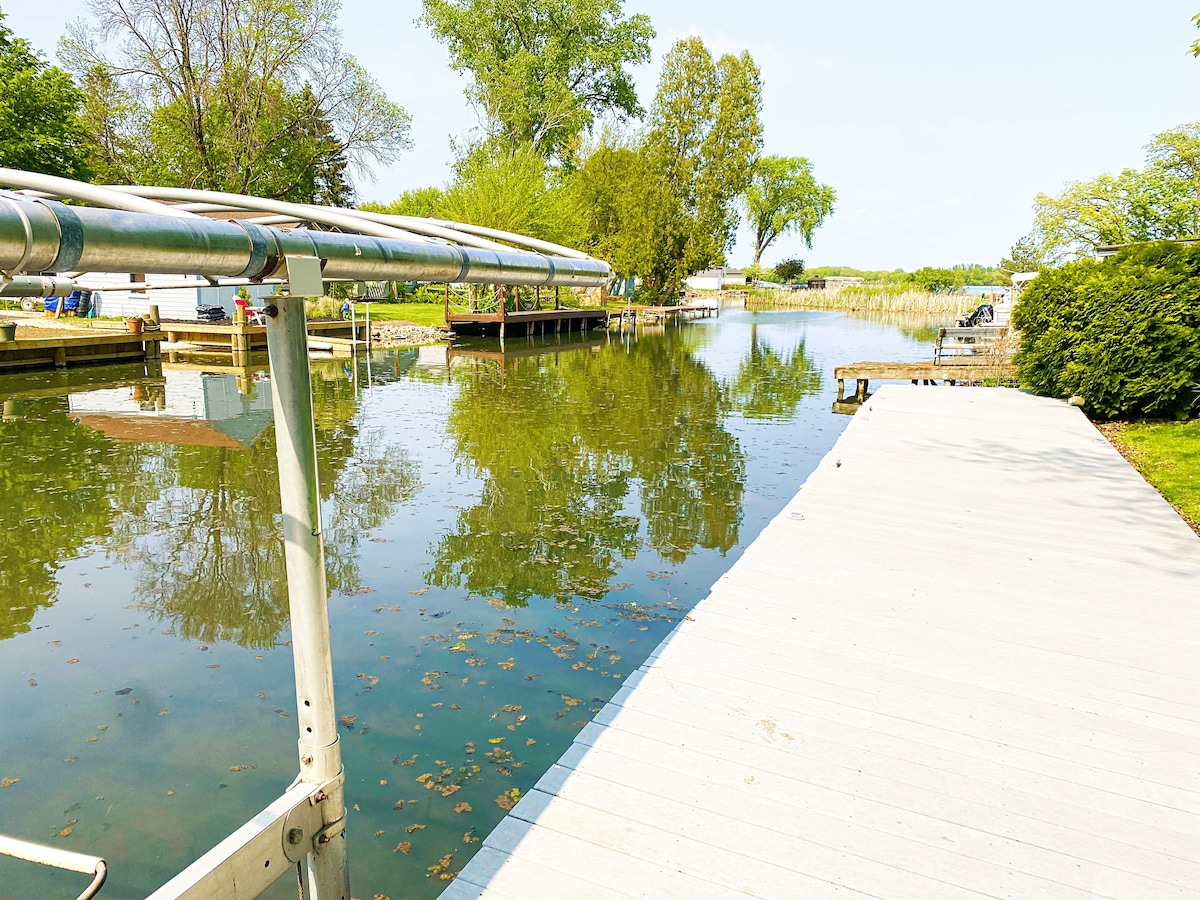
963	662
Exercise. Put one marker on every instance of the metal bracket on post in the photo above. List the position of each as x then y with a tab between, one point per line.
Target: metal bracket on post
260	852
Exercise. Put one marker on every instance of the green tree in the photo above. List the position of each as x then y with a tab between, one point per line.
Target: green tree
40	129
423	202
610	192
1024	256
253	97
543	70
784	197
1113	209
512	189
936	280
1176	154
704	137
790	270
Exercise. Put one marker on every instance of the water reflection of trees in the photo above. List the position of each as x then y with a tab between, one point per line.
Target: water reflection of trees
60	485
769	385
199	524
216	570
561	443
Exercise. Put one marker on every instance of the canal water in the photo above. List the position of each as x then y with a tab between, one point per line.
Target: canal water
509	535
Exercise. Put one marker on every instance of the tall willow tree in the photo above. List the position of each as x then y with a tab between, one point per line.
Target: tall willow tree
253	97
784	197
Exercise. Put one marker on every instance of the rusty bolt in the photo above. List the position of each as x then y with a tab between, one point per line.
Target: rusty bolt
294	836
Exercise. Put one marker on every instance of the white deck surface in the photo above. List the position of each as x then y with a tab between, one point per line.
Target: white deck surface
971	669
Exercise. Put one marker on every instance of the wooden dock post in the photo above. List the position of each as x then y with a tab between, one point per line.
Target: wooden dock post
238	340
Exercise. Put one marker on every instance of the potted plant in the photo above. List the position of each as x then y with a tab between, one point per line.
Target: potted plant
135	324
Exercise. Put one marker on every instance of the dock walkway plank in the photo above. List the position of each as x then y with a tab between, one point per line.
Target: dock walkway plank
891	695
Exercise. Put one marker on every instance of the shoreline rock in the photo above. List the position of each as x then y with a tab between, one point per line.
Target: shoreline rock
396	334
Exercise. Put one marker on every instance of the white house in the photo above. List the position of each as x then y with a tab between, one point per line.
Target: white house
719	279
120	295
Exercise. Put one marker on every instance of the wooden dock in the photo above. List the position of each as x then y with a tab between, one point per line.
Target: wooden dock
59	352
526	322
681	311
245	337
963	662
950	371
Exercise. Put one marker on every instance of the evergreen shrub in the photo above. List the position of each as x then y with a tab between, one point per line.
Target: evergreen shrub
1123	333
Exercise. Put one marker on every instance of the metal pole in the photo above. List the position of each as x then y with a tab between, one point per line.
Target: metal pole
296	447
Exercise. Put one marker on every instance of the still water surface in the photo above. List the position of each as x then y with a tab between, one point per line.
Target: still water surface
508	537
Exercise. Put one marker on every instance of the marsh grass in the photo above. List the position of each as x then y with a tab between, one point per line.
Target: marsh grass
864	298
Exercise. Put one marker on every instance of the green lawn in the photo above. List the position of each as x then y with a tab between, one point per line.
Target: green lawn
1168	456
419	313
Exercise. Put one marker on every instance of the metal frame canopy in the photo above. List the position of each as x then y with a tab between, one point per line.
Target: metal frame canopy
129	229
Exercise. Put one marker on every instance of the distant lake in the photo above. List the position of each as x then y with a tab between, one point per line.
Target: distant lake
509	535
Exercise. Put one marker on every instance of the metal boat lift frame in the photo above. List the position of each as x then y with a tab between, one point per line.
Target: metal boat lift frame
46	246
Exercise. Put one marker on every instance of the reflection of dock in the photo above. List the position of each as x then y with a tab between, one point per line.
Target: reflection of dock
512	350
61	382
991	696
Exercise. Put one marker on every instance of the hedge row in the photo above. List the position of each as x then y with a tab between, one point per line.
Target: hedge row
1123	333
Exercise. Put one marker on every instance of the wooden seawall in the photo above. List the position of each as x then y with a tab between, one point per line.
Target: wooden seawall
87	349
963	662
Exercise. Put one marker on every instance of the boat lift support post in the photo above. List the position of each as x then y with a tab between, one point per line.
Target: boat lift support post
304	552
310	818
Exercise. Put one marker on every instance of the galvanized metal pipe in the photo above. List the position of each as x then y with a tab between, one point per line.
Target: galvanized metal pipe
458	229
36	286
304	554
87	239
80	190
434	228
301	212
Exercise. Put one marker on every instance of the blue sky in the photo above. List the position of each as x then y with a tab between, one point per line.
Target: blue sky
937	121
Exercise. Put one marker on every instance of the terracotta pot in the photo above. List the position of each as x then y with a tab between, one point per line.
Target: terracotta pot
135	324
